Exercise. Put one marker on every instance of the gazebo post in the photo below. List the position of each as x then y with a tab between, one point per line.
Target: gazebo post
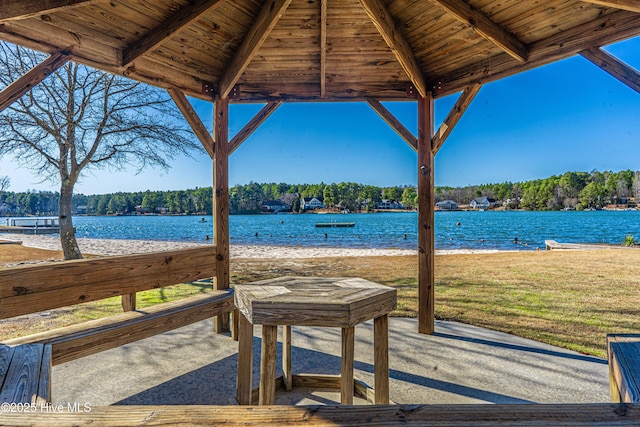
221	202
426	278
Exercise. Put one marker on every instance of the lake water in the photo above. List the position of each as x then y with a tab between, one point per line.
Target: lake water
477	230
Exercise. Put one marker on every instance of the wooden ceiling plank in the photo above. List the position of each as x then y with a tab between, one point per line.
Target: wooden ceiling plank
601	31
269	16
323	48
21	9
386	26
253	125
24	84
612	65
455	114
168	28
190	115
630	5
393	121
485	27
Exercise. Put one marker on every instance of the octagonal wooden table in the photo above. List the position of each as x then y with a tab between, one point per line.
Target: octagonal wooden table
311	301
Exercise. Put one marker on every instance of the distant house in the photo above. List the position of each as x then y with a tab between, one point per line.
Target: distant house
310	203
274	206
389	204
447	205
483	203
8	209
81	210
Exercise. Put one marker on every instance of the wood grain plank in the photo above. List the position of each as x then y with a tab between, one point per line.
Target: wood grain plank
346	370
21	382
6	354
44	381
75	341
630	5
381	360
454	116
386	26
485	27
21	9
393	121
253	125
268	365
271	12
245	361
129	302
612	65
426	251
221	202
179	20
24	84
624	362
286	358
470	415
190	115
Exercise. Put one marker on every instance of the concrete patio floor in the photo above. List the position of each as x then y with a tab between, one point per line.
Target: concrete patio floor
458	364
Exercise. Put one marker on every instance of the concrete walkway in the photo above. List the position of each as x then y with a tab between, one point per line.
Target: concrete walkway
459	364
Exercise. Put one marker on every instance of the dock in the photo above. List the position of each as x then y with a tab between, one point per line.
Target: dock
31	225
552	244
335	224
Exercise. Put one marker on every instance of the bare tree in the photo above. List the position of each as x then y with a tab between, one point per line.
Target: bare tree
79	119
5	182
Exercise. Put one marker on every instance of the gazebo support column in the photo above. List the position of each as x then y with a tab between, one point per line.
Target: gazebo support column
221	202
426	250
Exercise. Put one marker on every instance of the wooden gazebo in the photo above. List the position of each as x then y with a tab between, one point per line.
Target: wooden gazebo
275	51
278	51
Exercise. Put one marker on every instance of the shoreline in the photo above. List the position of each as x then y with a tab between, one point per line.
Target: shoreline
106	247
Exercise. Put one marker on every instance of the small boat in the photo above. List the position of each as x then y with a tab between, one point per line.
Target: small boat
335	224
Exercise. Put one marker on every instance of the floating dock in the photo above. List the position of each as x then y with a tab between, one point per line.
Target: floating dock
335	224
31	225
552	244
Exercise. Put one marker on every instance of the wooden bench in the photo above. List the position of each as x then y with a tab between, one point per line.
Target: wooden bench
25	361
623	352
25	372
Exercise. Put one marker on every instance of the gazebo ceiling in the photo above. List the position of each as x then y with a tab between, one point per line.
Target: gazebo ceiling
298	50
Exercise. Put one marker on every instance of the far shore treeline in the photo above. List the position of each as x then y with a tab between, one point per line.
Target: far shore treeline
572	190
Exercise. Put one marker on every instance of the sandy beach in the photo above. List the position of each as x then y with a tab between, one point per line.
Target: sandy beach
122	247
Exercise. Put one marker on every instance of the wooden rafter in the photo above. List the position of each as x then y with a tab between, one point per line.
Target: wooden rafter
21	9
175	23
393	121
190	115
484	26
599	32
253	125
631	5
455	114
386	26
323	48
269	16
612	65
18	88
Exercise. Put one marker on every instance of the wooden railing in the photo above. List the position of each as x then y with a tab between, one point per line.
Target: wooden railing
35	288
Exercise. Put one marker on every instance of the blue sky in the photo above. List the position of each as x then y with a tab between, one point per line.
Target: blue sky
567	116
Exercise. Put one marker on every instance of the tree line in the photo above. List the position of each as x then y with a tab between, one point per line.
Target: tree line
580	190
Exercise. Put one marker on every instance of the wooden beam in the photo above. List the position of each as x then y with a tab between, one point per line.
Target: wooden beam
24	84
395	124
323	48
386	26
454	116
485	27
175	23
21	9
253	125
221	203
194	121
269	16
426	218
602	31
612	65
630	5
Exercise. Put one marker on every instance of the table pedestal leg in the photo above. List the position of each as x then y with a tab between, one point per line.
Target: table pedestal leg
346	374
245	360
286	358
268	365
381	360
